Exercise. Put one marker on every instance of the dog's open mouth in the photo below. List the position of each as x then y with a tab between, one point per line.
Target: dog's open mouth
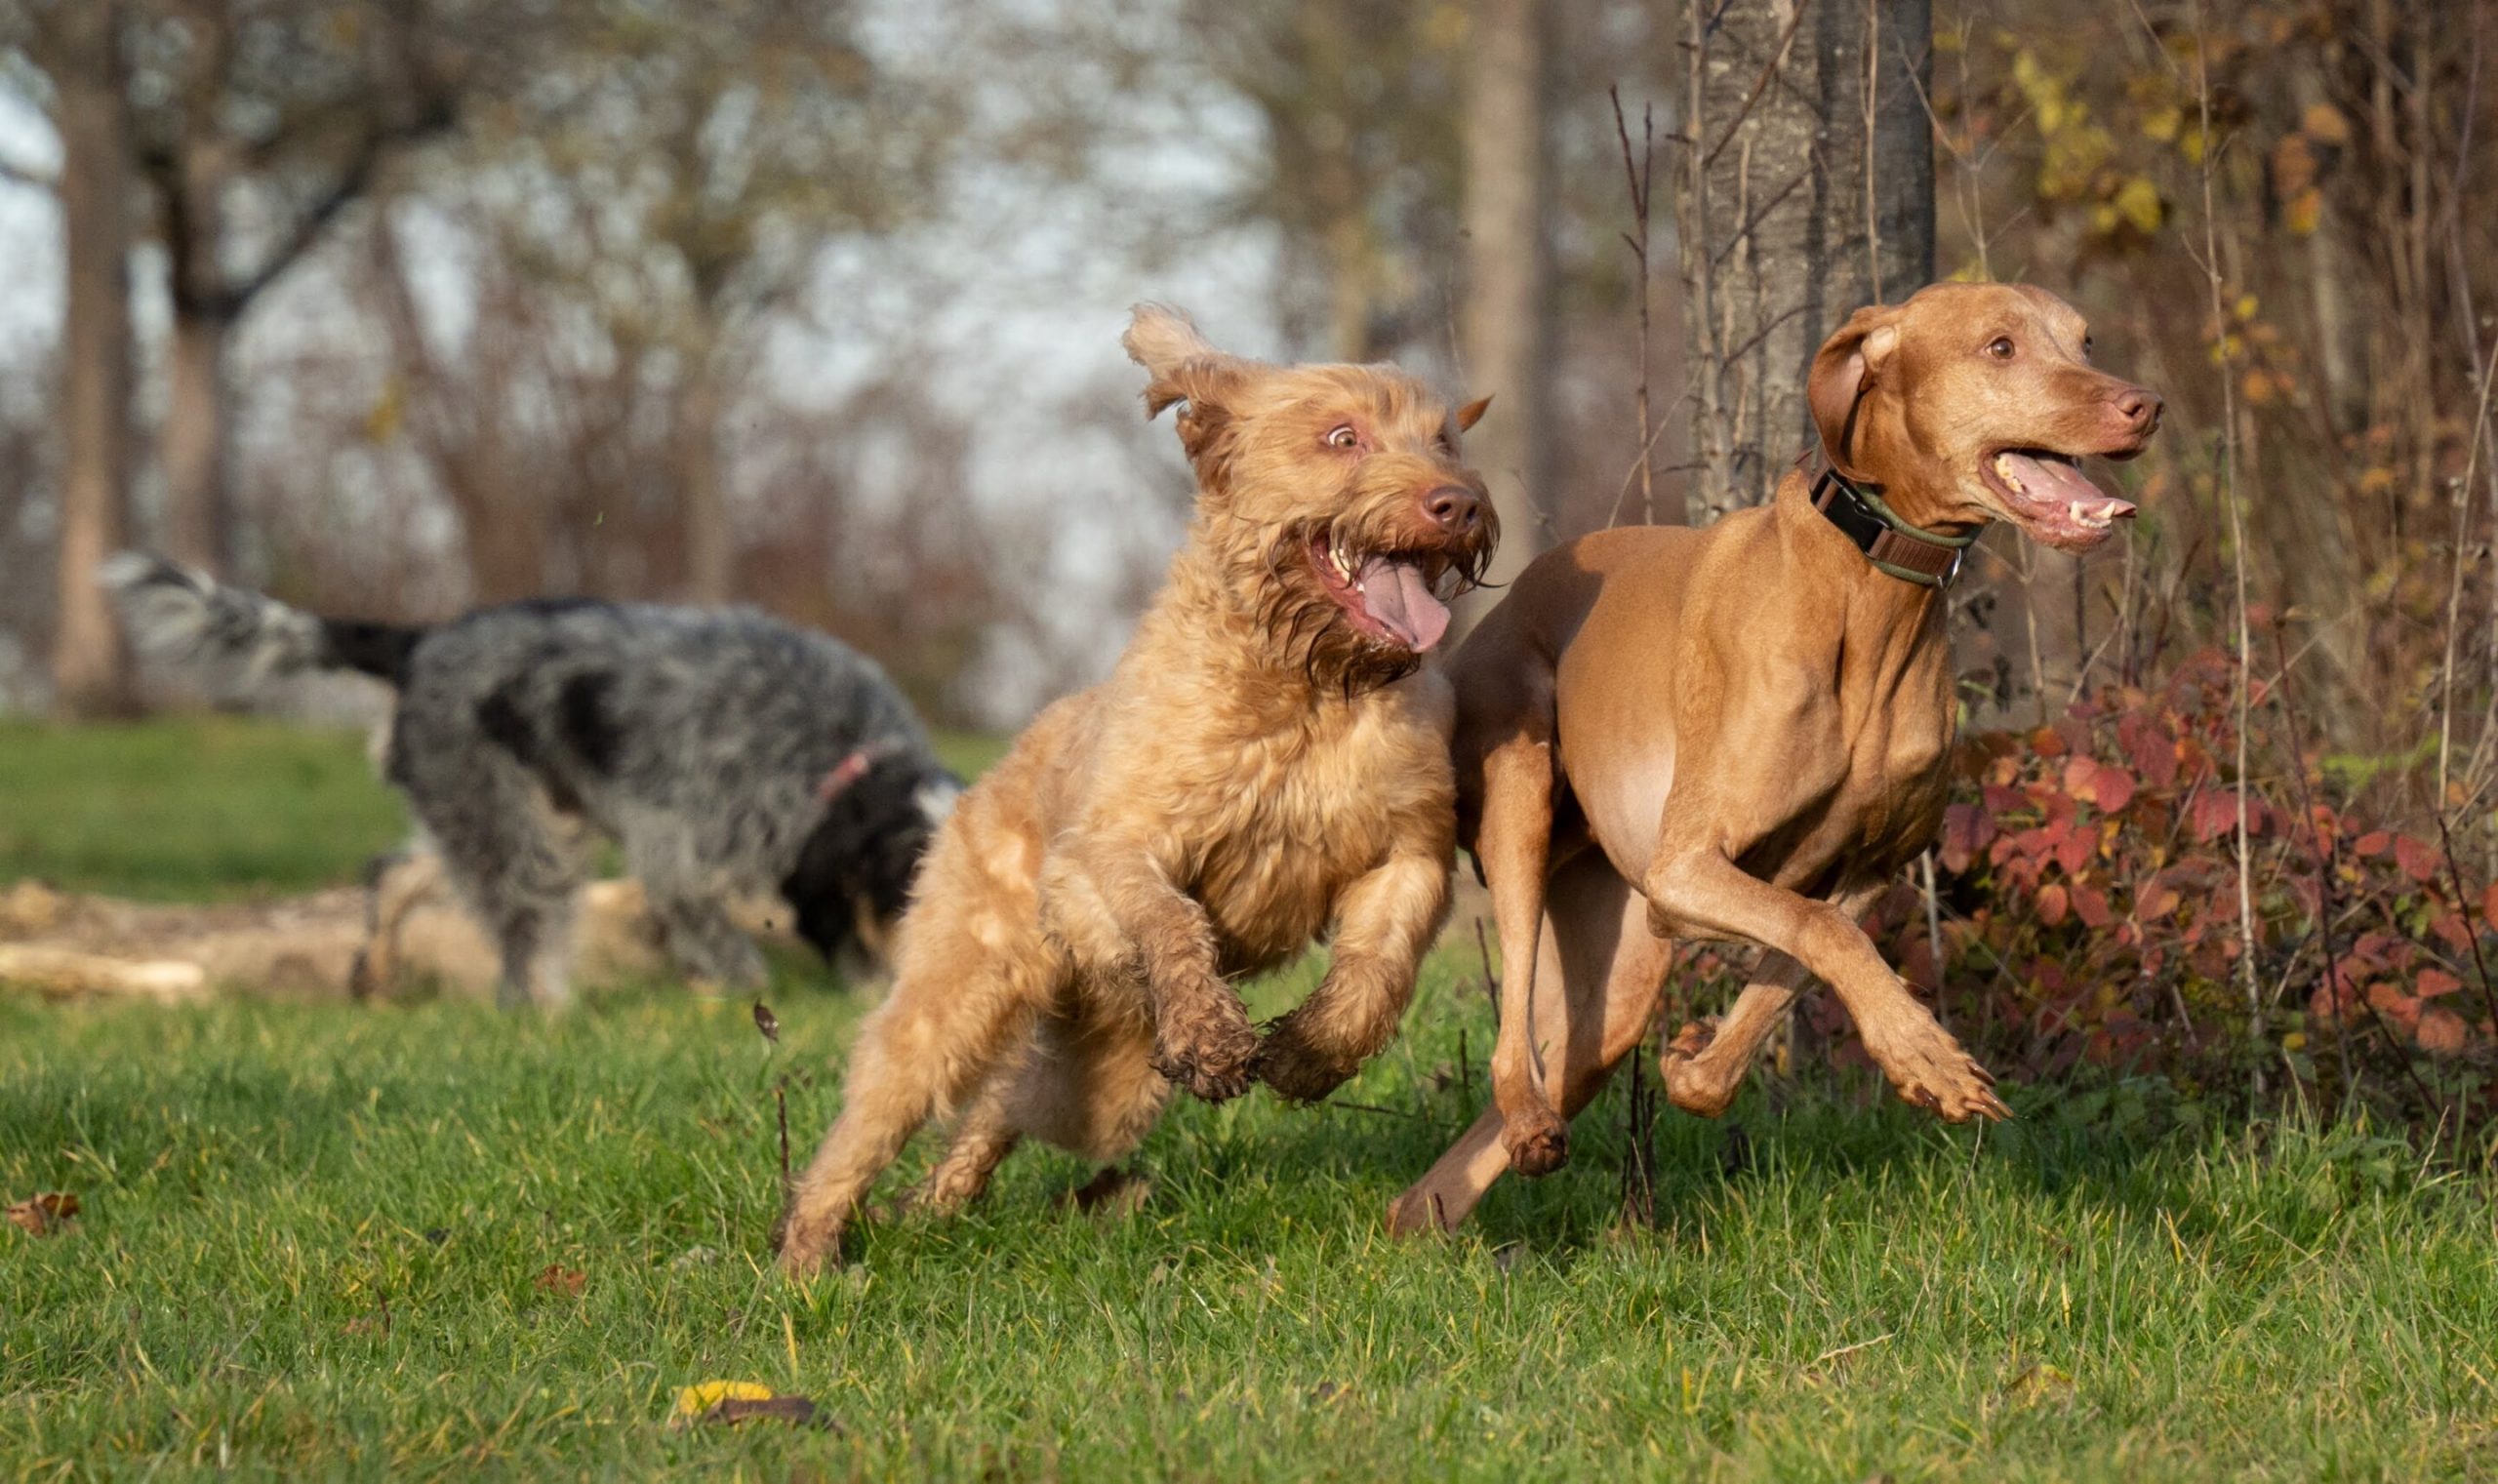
1387	595
2045	493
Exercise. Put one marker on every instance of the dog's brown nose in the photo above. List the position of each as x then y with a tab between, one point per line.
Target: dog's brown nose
2139	407
1455	509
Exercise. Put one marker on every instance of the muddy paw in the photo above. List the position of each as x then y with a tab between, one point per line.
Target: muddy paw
1215	1076
1538	1143
1294	1070
1934	1072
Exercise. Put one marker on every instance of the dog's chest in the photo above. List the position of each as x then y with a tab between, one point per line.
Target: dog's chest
1291	831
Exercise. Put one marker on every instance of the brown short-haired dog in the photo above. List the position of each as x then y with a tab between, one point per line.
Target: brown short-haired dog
1741	733
1264	765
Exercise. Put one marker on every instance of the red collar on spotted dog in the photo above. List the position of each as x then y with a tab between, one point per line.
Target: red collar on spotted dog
854	766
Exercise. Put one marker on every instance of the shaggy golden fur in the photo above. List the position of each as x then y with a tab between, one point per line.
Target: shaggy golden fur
1265	765
1740	734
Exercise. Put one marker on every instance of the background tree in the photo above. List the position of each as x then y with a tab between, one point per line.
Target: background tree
1806	188
1507	318
79	47
260	121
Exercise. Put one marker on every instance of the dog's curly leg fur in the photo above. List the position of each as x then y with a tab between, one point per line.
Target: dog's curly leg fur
1385	924
1203	1040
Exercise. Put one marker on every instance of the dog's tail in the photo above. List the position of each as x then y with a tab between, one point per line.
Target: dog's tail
242	639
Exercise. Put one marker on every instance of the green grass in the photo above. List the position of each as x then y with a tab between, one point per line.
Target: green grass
2107	1288
214	808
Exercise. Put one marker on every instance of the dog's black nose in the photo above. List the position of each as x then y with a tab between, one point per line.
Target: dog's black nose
2139	407
1455	509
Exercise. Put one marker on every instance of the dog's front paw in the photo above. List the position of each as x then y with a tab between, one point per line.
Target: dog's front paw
1214	1066
1538	1142
1295	1070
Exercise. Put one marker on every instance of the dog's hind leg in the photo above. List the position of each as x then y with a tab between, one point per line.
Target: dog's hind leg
396	884
1088	1088
518	863
1606	969
955	1013
1514	845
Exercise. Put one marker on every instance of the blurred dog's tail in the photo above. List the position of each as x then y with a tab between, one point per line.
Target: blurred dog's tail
242	640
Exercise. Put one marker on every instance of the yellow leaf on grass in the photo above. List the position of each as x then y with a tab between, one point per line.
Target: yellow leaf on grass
695	1400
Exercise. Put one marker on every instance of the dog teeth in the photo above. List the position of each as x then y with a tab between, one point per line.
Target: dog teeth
2003	470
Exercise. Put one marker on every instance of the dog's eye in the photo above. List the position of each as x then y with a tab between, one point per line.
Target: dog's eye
1341	435
1445	444
2000	347
2085	347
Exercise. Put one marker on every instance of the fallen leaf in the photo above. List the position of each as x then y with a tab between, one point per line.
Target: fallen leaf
43	1214
556	1278
2039	1383
738	1401
695	1400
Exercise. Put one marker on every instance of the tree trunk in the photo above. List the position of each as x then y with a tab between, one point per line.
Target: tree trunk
196	507
1508	307
1808	192
88	667
710	537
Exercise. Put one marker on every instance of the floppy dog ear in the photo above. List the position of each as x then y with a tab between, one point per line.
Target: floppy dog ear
1846	368
1185	369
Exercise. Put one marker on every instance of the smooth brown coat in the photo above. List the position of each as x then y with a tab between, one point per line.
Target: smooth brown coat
1741	733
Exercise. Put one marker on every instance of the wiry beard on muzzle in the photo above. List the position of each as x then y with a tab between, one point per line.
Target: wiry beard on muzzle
1314	634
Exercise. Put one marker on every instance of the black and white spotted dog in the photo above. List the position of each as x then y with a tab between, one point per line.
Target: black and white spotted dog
728	756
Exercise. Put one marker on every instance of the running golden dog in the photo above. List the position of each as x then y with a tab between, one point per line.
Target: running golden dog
1265	765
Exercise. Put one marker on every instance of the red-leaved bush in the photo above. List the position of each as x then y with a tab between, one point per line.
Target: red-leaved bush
2089	906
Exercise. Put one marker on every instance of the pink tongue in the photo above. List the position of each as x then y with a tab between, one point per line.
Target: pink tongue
2053	479
1394	593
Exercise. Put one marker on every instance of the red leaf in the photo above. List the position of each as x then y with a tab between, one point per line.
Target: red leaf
2372	844
2051	904
2081	779
2489	906
2090	904
2452	927
2215	814
2401	1009
43	1214
556	1278
1965	829
2434	982
2151	749
2441	1031
2047	742
2115	789
2072	851
2418	858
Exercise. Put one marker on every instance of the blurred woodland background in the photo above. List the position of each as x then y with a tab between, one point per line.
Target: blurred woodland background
397	308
